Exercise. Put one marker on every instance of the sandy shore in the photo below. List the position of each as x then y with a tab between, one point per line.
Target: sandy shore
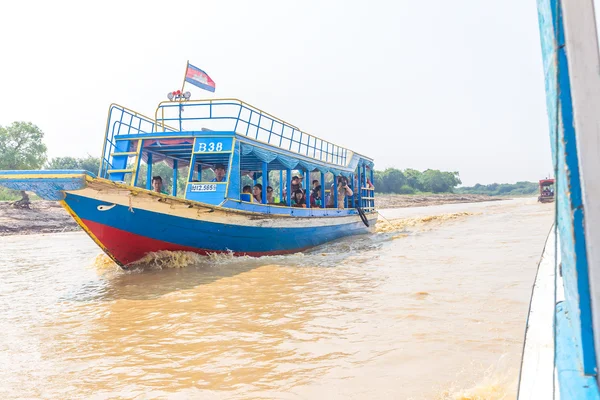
44	217
49	216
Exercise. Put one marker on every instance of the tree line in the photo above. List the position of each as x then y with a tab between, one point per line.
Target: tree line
502	189
411	181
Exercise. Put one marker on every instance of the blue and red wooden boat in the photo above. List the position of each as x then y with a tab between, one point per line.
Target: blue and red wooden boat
122	213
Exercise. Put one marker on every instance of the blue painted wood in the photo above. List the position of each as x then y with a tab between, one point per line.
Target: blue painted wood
265	182
568	186
234	188
211	235
48	187
175	172
573	384
120	162
213	144
287	211
323	189
307	186
335	191
213	197
149	172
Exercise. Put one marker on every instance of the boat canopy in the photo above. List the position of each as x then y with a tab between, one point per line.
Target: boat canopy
243	139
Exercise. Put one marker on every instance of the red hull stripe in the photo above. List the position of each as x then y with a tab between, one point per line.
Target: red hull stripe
127	247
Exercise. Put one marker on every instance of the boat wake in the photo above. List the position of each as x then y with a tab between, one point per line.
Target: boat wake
399	225
497	383
327	255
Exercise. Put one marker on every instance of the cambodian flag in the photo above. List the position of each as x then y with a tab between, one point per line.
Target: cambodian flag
197	77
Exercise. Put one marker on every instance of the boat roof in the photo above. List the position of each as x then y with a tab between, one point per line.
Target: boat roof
263	136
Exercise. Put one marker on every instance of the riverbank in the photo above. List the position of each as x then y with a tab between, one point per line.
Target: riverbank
384	201
50	217
43	217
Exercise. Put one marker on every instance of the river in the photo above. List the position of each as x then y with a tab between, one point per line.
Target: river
433	308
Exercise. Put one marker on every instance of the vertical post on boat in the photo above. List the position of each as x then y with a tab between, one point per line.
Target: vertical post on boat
358	191
351	201
335	191
265	181
364	184
306	188
280	185
149	172
180	109
174	191
288	179
322	190
372	193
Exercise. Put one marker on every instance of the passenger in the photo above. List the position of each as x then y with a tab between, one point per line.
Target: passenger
299	199
315	183
315	197
270	198
219	173
157	185
247	189
370	185
343	191
257	193
296	181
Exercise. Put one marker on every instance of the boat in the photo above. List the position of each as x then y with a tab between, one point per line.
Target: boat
546	191
562	337
206	210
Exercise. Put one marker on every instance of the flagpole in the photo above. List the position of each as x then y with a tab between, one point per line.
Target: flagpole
185	75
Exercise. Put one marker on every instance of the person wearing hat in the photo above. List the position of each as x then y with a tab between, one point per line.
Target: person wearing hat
219	173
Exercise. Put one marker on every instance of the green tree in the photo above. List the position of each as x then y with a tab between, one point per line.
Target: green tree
21	148
89	163
413	178
63	163
433	180
393	179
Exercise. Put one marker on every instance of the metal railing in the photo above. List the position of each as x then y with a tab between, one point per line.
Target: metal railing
242	118
123	121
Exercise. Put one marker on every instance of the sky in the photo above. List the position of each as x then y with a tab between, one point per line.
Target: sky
450	85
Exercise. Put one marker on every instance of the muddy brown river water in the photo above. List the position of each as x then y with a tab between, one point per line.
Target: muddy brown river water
432	308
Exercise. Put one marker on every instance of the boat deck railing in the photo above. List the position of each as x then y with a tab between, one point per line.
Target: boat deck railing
123	121
244	119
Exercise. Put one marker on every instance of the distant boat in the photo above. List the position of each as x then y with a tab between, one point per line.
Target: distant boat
546	191
128	219
562	339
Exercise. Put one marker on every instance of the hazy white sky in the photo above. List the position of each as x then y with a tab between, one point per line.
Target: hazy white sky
451	85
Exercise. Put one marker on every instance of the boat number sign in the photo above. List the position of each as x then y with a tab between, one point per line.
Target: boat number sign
204	187
213	145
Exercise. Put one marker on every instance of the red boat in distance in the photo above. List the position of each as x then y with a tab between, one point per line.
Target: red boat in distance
546	191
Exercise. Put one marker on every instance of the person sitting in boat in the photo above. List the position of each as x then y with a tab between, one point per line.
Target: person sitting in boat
157	185
343	191
315	183
257	193
315	197
299	199
219	173
270	198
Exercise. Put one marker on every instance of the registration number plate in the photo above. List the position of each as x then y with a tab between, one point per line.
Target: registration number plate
211	187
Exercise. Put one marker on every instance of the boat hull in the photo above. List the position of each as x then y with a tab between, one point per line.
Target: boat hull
128	226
